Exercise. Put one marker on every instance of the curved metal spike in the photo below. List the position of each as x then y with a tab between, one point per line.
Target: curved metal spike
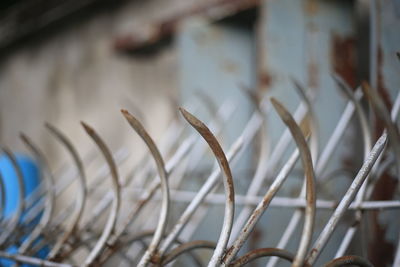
260	209
262	168
13	222
310	181
314	128
350	260
228	184
382	112
50	195
186	247
155	242
367	140
264	144
323	159
263	252
346	200
135	109
314	148
345	88
112	218
80	202
392	131
210	184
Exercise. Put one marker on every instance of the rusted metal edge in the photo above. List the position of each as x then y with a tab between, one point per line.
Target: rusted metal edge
165	28
349	260
186	247
112	218
263	252
219	154
162	173
50	195
81	199
306	160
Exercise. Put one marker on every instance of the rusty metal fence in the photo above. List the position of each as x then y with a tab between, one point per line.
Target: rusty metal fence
115	238
149	214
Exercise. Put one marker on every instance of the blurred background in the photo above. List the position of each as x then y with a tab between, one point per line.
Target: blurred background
68	61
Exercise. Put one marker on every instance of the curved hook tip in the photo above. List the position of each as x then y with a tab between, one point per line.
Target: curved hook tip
24	137
279	108
87	128
191	118
125	112
129	116
50	127
132	120
184	112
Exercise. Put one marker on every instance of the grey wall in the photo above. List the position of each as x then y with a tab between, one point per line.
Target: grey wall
76	75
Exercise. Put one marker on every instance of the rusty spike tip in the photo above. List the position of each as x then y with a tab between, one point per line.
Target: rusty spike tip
24	137
192	119
49	126
134	122
87	128
279	108
129	116
125	112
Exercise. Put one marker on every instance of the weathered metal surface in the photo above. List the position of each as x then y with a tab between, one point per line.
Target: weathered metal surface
317	40
219	57
384	69
154	34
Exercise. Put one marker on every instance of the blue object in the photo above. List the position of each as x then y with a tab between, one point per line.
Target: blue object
31	177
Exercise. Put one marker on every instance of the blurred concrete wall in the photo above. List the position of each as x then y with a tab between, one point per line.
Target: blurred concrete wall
76	75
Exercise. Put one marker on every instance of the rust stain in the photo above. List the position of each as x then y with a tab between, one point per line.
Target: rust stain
156	258
380	251
213	11
311	7
345	261
265	80
344	58
382	90
255	238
